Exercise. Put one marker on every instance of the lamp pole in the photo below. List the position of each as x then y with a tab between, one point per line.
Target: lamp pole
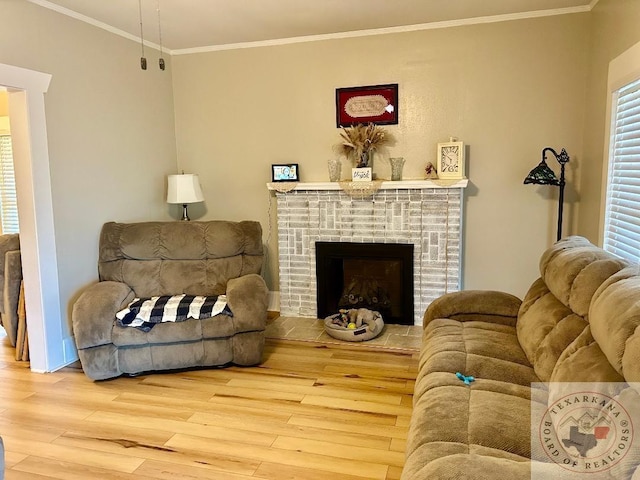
562	159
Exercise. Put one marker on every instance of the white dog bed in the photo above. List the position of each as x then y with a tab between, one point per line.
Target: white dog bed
353	335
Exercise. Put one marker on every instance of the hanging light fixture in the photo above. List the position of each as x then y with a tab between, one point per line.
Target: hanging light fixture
161	61
143	60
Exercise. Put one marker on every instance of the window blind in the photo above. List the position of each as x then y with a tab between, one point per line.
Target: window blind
622	213
8	198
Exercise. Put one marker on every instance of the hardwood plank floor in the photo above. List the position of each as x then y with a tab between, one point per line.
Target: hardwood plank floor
309	412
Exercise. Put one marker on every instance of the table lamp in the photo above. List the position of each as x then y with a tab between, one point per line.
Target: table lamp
184	189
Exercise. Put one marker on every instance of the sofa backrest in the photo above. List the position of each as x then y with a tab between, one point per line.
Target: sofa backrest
166	258
614	319
555	310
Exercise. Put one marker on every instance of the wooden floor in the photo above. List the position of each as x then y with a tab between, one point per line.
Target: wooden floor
309	412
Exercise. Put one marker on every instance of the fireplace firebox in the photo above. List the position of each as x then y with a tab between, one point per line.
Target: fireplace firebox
377	276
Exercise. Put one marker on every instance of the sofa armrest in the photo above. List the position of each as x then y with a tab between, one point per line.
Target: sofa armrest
95	311
475	305
247	299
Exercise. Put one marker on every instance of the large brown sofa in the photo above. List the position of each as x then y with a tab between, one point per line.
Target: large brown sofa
577	323
170	258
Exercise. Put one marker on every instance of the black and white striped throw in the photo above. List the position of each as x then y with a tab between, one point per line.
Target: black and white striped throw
144	313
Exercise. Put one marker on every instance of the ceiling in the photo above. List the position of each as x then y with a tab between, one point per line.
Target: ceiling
189	25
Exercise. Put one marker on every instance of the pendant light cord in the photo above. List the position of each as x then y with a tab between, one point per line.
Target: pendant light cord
143	60
161	61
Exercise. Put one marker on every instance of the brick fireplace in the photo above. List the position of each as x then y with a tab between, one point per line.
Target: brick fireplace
423	213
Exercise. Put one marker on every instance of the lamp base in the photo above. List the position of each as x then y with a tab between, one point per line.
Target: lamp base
185	215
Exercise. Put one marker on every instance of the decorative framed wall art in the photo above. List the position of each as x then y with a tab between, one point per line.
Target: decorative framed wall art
288	172
376	104
450	160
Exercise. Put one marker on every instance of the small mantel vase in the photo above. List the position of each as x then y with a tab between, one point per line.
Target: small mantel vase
335	169
365	160
396	168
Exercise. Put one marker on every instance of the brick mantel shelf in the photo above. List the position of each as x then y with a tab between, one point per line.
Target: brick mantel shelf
425	213
385	185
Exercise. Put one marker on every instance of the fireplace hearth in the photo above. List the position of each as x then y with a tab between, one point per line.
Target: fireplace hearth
377	276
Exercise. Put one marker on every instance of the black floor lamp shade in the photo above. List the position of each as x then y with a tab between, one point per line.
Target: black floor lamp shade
543	175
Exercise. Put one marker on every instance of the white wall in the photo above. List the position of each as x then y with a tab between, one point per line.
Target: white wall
613	29
506	89
110	132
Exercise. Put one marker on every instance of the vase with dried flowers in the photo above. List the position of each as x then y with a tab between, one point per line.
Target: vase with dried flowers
360	141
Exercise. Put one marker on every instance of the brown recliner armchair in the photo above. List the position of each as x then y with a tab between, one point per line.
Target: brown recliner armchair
169	258
10	279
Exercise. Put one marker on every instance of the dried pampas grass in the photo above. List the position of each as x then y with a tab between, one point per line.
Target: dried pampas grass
359	140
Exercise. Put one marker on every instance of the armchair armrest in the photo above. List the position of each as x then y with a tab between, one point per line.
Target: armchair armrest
247	299
95	311
8	243
475	305
11	293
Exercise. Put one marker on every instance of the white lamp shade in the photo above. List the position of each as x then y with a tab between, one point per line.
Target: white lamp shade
184	188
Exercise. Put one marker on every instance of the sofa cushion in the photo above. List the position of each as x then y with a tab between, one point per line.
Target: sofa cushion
615	321
482	349
574	268
583	361
555	309
481	420
545	328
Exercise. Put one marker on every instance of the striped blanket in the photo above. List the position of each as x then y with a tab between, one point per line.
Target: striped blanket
144	313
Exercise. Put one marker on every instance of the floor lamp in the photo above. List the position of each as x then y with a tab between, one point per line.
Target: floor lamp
543	175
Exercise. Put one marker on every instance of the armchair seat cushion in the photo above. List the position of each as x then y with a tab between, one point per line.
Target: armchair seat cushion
191	330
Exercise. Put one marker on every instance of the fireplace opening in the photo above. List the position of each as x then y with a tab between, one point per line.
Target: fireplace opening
377	276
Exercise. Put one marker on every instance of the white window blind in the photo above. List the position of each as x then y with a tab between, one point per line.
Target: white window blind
8	199
622	216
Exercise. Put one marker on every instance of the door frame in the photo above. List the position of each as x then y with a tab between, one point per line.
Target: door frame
26	89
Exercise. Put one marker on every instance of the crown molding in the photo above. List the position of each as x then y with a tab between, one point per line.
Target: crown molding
323	37
386	31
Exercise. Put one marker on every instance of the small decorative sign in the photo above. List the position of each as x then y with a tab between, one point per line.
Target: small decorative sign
361	174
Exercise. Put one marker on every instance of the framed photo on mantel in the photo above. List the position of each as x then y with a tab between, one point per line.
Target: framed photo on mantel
287	172
371	104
